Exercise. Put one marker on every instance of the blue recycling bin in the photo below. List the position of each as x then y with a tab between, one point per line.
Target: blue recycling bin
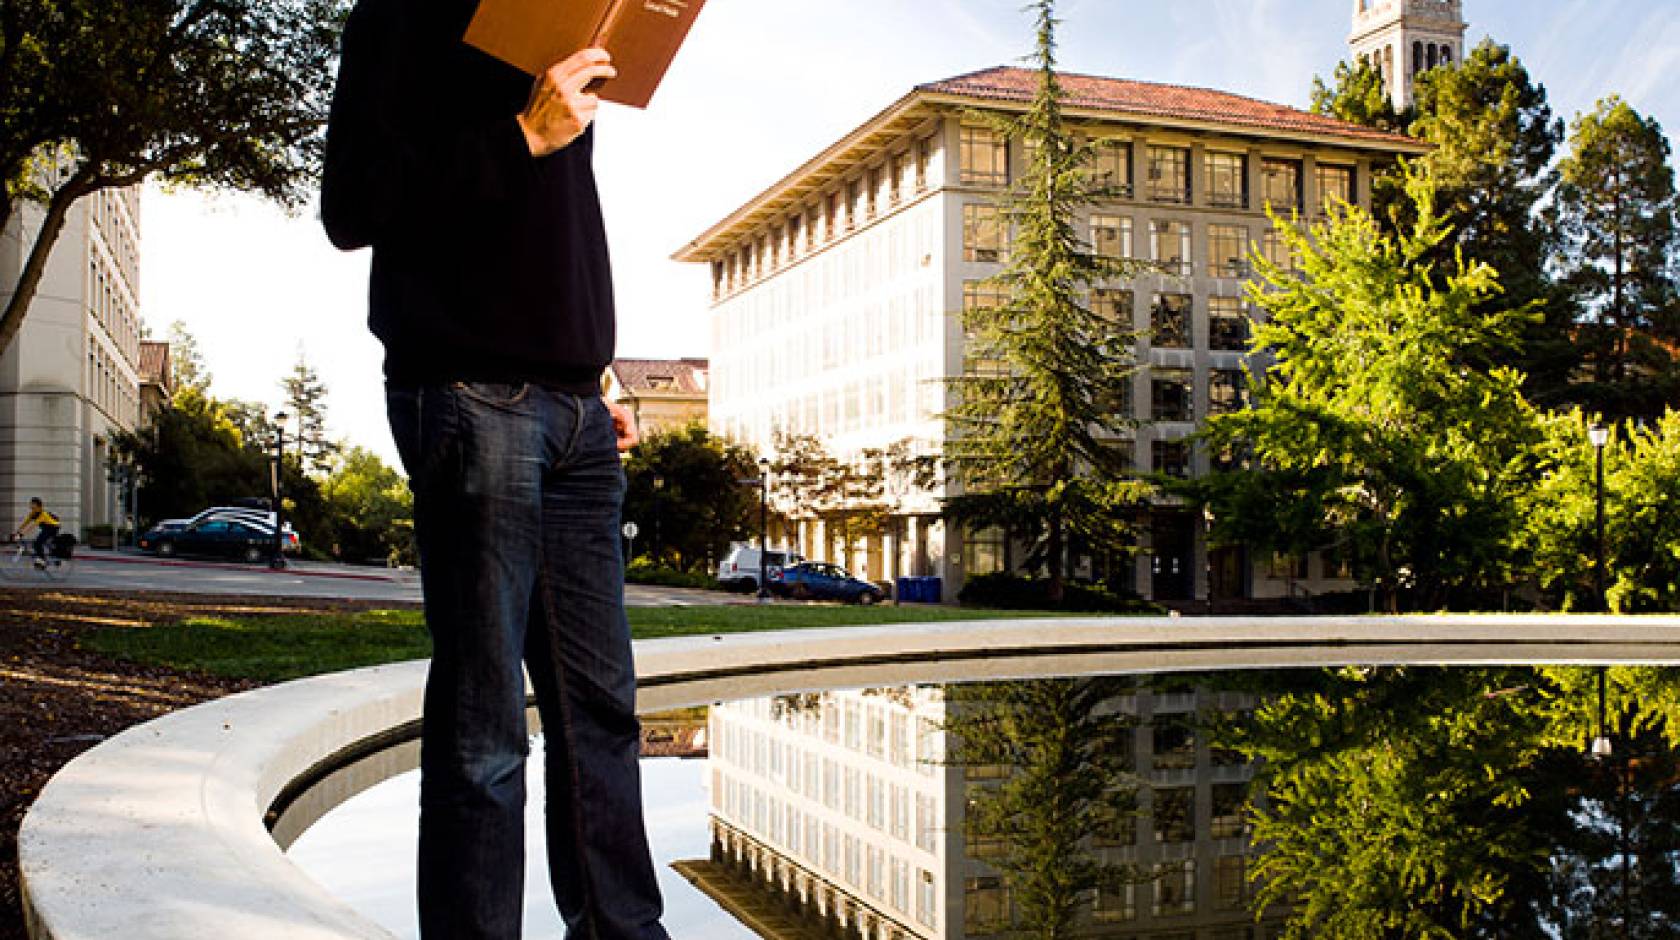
905	590
932	590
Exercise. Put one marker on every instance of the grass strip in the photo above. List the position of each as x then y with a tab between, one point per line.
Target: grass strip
275	648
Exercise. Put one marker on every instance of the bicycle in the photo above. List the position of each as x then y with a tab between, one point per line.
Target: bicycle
60	562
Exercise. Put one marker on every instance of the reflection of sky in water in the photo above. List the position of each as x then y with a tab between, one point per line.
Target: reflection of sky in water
363	852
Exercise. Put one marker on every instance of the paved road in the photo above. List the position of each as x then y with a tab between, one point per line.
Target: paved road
122	571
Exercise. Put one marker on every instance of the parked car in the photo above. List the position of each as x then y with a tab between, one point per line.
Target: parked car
215	537
261	518
816	580
739	569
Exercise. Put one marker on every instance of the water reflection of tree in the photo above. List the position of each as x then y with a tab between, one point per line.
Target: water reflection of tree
1055	759
1424	802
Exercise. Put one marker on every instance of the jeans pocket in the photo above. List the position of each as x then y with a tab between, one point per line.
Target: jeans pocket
504	395
424	427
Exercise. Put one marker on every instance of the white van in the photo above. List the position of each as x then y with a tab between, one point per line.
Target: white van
739	569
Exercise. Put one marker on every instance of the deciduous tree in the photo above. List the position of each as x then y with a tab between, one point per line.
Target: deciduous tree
226	94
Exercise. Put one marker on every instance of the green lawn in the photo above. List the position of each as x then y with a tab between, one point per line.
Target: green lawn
276	648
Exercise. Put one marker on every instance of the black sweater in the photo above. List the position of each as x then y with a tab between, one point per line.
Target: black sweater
488	264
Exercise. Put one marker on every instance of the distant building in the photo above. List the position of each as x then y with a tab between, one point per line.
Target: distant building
156	386
71	377
837	294
1404	38
664	394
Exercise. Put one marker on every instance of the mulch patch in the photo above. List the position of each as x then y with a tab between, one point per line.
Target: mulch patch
58	699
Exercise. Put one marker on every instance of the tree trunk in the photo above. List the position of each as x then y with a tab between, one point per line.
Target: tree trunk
1053	549
29	280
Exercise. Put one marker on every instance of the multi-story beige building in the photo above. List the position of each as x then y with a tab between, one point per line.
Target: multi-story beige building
837	293
844	804
71	376
1403	38
663	394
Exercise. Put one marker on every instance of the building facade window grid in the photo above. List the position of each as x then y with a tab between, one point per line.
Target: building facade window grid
983	156
1169	175
1227	180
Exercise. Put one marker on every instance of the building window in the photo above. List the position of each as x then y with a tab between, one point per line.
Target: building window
1170	395
1170	321
985	157
897	181
1171	458
1169	175
924	160
1227	391
1111	236
1228	250
1174	744
1115	903
1275	249
1170	242
983	233
1114	307
1228	819
982	551
854	204
1175	888
872	193
1227	180
1230	882
1175	815
1335	186
1284	565
1111	167
1280	185
1227	326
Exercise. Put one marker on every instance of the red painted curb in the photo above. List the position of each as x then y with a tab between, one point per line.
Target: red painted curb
249	569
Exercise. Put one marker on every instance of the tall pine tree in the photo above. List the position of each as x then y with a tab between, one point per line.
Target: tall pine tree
1028	449
306	399
1616	209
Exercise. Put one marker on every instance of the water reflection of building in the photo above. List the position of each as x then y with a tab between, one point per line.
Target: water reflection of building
838	811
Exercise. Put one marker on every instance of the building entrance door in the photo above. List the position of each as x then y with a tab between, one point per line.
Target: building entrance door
1173	540
1226	565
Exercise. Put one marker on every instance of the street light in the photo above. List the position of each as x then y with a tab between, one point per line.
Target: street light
764	530
1600	436
1207	553
278	559
1601	744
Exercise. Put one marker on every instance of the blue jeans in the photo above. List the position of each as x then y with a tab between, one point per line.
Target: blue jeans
517	497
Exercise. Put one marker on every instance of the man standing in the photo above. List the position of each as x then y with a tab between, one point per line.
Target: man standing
492	295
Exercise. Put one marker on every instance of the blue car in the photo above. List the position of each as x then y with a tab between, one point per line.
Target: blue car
815	580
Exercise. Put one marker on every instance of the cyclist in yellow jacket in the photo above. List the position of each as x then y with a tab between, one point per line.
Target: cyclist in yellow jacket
38	516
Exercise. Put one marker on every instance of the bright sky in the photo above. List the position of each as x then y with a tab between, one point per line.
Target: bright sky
762	86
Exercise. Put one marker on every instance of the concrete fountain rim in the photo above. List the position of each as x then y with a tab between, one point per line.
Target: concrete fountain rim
160	832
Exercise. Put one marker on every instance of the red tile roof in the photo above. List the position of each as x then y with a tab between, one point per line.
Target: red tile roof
1151	99
638	375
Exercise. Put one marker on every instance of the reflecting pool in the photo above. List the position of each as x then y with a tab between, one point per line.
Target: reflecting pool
1488	801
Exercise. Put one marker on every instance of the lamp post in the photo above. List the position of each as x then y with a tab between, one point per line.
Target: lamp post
1207	554
1600	436
658	540
278	559
764	530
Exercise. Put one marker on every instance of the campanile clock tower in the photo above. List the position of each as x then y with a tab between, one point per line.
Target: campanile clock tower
1405	37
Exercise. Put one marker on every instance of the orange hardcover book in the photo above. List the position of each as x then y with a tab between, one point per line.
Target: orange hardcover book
642	35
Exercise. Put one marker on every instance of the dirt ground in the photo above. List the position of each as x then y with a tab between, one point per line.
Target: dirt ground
58	699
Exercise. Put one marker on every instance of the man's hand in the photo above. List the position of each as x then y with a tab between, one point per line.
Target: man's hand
624	423
561	107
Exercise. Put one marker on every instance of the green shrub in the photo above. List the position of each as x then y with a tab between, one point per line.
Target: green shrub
1011	592
642	571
